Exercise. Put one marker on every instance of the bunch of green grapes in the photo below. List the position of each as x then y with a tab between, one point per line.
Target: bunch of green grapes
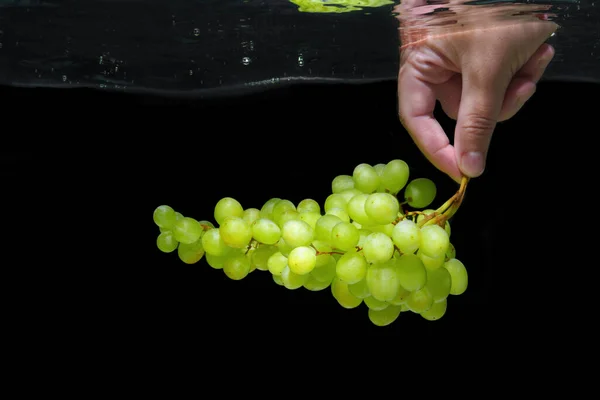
361	244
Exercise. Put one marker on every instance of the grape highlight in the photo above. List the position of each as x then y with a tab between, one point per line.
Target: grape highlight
363	244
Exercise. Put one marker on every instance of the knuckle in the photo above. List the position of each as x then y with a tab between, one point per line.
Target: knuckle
478	126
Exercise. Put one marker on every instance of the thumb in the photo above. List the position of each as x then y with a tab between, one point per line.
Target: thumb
478	114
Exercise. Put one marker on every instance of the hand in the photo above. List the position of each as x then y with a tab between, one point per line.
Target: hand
482	62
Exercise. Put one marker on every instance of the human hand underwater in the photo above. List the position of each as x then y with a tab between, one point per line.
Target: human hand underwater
481	62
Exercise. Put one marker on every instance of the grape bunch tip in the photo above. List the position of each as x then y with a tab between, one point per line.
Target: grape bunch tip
363	243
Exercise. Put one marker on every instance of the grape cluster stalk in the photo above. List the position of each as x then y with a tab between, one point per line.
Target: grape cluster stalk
363	243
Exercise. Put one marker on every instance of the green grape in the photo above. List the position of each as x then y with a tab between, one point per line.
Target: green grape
297	233
356	210
250	215
340	291
216	262
439	283
420	192
261	255
267	208
205	224
360	289
191	253
302	260
277	279
213	243
365	178
375	304
431	263
419	300
335	200
364	234
351	268
425	213
341	183
280	207
349	194
344	236
412	274
291	280
451	252
166	242
382	280
235	232
386	316
308	205
459	276
382	208
325	272
378	248
401	297
227	207
386	229
277	263
266	231
237	266
314	285
407	236
340	213
287	215
164	217
310	218
434	241
379	169
187	230
324	226
394	176
436	311
283	247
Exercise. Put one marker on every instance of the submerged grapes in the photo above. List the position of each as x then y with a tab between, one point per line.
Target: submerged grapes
361	243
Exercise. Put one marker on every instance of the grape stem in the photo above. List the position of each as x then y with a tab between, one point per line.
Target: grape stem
448	209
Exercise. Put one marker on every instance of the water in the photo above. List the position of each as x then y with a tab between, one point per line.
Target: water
187	47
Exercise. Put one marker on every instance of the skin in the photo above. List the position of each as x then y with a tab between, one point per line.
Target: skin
482	63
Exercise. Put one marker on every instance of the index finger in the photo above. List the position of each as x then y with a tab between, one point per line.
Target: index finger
417	101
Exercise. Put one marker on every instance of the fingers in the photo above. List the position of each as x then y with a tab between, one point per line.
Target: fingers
416	105
477	117
524	83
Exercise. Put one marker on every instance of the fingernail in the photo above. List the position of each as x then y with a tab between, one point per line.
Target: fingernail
472	164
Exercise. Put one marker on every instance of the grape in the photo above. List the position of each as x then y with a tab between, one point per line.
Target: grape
297	233
458	275
378	248
420	192
190	253
236	267
394	176
439	283
342	294
382	281
434	241
365	178
235	232
187	230
341	183
375	304
359	242
302	260
419	300
344	236
266	231
227	207
384	317
411	272
164	217
382	208
436	311
407	236
308	205
351	268
166	242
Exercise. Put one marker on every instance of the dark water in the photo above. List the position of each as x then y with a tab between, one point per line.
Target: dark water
219	46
